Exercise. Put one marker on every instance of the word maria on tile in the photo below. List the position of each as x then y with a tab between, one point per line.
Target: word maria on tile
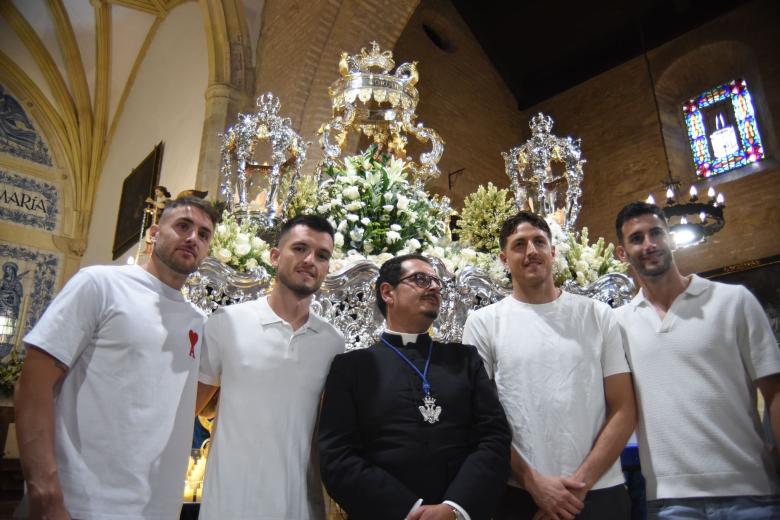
28	201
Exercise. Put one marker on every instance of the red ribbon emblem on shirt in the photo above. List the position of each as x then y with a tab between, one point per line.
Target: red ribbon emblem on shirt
193	342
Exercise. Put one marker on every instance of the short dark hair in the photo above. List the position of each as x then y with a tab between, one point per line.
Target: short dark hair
636	209
391	272
510	225
315	222
196	202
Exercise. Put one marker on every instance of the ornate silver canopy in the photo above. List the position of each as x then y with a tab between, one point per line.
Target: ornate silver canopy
250	188
379	104
538	186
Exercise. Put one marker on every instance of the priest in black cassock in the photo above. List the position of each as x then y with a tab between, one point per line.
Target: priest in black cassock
410	427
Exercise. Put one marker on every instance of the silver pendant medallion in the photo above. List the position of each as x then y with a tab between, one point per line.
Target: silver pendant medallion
429	410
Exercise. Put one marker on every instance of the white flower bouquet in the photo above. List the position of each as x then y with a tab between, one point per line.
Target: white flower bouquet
578	260
376	208
238	246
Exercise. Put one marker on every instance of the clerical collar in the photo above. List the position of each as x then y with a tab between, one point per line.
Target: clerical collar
406	337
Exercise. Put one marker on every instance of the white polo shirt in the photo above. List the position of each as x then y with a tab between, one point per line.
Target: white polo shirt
699	431
271	379
549	362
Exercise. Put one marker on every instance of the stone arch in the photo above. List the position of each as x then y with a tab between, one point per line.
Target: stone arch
231	77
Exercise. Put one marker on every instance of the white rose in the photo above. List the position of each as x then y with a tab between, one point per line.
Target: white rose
365	221
223	255
352	217
368	247
251	263
351	192
468	254
412	244
388	208
354	205
403	202
338	240
393	237
388	196
257	243
323	208
242	249
221	229
356	234
265	256
343	225
395	227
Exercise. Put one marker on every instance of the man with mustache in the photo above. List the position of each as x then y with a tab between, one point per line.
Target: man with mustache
411	427
270	357
105	401
698	351
561	372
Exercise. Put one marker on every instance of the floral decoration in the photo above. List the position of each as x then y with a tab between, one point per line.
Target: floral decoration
238	246
576	259
376	208
483	213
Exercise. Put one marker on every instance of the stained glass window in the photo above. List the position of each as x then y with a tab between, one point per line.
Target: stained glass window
722	129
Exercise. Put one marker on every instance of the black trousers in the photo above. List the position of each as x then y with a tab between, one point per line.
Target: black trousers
601	504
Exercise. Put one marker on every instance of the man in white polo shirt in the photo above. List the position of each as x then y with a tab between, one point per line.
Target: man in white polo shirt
105	402
698	350
561	373
270	358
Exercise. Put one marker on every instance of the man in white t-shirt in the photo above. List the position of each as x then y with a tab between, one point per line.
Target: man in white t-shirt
561	373
269	358
698	350
105	401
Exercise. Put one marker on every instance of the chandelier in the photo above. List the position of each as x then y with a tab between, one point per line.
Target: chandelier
692	221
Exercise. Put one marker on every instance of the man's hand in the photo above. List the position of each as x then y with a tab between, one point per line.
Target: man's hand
47	507
558	498
437	512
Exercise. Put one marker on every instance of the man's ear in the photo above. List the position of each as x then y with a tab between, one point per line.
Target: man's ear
154	229
620	251
386	292
274	256
502	257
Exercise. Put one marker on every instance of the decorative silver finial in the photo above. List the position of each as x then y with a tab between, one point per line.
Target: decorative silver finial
537	187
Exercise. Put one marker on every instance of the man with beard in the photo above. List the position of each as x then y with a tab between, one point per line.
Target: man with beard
411	427
561	373
105	401
698	350
270	358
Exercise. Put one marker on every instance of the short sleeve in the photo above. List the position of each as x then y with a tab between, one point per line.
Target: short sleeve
70	322
613	354
475	333
757	344
210	359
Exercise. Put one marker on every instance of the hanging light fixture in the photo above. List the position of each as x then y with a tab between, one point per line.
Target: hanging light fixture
691	221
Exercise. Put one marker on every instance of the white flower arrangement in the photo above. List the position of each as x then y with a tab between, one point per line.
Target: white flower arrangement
576	259
238	246
483	213
376	208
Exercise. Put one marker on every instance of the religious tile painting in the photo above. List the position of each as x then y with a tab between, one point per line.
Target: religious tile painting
28	285
722	129
18	136
28	201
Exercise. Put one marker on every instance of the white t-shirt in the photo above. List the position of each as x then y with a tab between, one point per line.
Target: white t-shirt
699	432
123	417
549	362
260	465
